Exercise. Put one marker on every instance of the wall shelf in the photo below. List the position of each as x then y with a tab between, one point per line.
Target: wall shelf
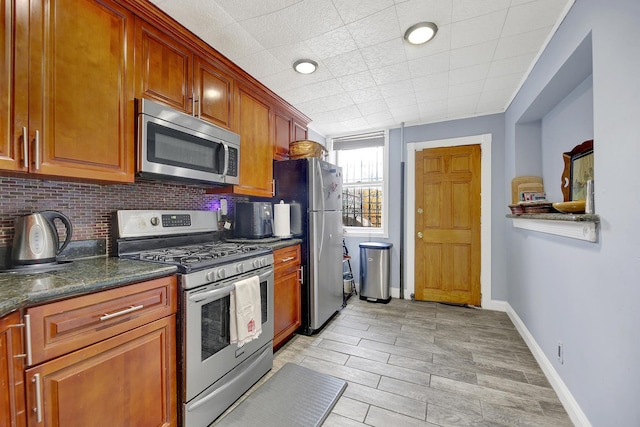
578	226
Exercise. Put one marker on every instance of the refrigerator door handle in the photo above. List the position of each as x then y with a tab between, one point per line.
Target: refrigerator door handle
321	182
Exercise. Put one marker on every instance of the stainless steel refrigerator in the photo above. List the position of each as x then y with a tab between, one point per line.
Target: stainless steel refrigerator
314	189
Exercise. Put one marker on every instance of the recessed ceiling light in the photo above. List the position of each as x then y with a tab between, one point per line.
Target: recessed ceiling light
421	32
305	66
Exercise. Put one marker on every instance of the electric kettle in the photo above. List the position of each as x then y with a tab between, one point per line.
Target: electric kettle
36	240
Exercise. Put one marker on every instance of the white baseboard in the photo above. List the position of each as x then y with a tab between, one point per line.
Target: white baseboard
576	414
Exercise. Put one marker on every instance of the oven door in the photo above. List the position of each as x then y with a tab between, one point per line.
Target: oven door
208	352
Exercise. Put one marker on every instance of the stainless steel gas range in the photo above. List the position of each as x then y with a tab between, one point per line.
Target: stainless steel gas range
214	373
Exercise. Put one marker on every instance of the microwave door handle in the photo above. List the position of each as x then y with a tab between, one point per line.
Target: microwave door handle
226	160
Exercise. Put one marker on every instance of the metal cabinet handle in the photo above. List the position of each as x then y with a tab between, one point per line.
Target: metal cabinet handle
38	408
37	150
301	280
25	148
288	259
121	312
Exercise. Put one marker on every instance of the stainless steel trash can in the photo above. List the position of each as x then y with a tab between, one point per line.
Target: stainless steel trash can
375	271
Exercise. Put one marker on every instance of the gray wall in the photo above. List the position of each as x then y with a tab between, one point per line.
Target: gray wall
580	293
585	85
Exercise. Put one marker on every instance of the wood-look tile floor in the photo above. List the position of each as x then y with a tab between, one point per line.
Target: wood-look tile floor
410	363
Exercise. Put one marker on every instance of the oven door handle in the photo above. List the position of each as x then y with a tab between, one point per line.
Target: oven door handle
213	294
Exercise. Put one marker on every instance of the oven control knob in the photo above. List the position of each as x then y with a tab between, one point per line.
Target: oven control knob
155	221
263	262
256	263
222	274
240	268
211	276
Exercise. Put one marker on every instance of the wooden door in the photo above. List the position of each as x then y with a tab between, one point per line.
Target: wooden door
447	227
299	131
214	92
12	412
256	152
81	89
163	68
127	380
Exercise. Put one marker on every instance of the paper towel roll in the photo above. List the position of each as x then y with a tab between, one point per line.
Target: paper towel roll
281	219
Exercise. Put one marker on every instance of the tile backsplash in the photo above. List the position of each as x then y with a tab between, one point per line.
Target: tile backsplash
90	206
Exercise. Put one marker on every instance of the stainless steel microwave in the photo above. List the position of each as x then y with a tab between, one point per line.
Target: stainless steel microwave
174	145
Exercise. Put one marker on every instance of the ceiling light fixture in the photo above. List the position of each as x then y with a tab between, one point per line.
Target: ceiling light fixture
305	66
421	32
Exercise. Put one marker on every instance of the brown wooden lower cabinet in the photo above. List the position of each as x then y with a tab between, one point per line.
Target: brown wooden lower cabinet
12	409
287	305
127	380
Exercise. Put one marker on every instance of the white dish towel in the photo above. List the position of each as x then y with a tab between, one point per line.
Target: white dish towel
245	311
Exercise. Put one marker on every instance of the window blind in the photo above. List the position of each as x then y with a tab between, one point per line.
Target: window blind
365	140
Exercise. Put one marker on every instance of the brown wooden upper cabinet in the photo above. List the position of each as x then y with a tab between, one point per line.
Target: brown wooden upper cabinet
68	89
288	129
170	72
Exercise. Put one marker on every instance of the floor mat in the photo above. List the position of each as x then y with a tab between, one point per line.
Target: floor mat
293	396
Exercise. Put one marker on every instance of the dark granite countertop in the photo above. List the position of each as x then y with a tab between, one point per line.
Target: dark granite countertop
270	242
21	289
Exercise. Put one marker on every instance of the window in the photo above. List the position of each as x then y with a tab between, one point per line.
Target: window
364	166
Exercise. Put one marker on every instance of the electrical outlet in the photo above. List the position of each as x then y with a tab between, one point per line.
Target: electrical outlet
560	353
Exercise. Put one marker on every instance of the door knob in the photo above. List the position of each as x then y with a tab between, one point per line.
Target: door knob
420	234
420	211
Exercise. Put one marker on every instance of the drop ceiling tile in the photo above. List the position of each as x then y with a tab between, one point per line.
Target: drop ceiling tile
405	112
355	124
201	14
473	55
374	29
390	74
373	107
466	89
429	65
381	120
288	54
357	81
332	43
365	95
467	9
311	18
383	54
312	91
462	106
431	82
270	31
509	82
519	44
240	11
329	103
401	101
404	87
519	64
233	41
261	64
413	11
354	10
289	79
468	74
433	94
477	30
346	64
433	108
532	16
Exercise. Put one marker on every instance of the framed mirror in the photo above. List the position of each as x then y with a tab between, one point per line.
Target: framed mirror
578	169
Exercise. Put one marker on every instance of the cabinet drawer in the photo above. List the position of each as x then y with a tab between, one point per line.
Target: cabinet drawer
64	326
286	258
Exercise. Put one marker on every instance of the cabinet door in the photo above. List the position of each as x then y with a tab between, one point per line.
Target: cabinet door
256	152
214	92
80	109
283	136
163	68
14	90
286	313
11	379
299	131
127	380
